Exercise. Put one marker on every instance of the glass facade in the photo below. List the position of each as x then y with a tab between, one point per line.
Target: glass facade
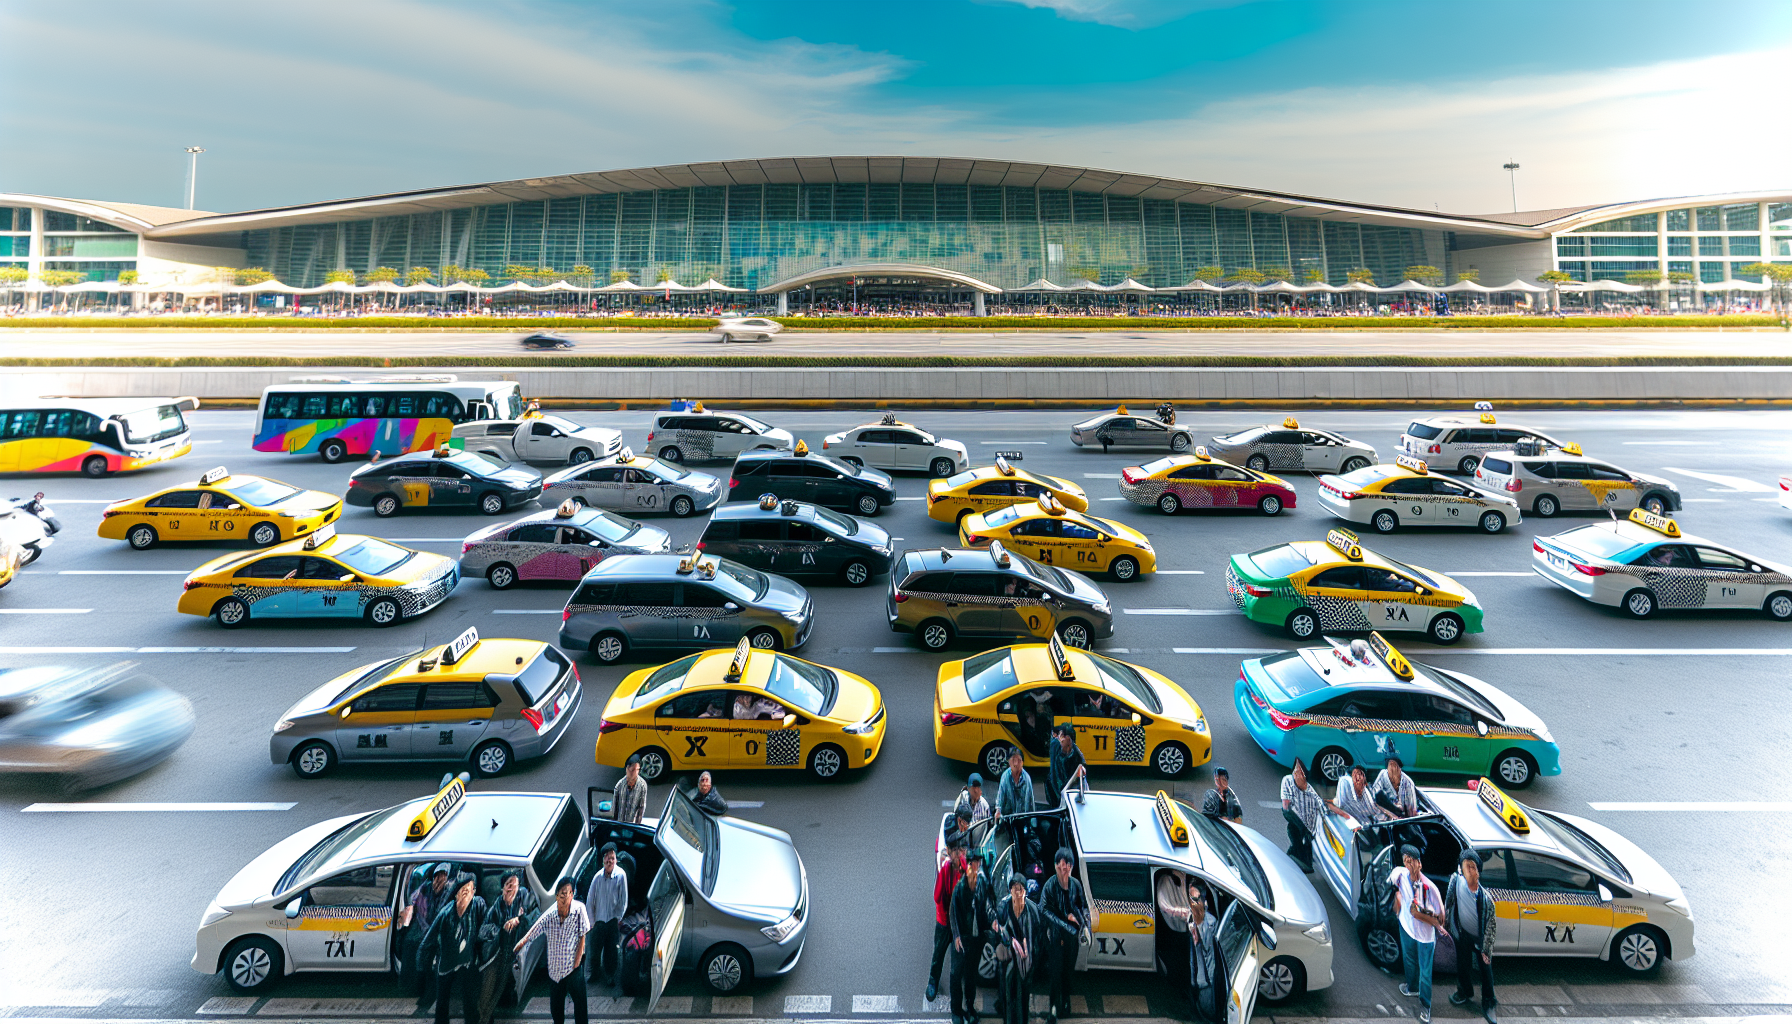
93	270
90	246
753	236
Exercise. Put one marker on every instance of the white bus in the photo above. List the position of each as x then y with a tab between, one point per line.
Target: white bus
94	436
337	418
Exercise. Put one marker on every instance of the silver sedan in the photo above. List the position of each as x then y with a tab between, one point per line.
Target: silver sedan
634	485
88	727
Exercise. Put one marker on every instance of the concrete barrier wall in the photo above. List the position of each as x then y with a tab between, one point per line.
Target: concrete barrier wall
995	385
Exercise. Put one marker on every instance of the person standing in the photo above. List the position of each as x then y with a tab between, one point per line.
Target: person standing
453	943
1393	790
1421	911
1206	972
1067	763
707	798
605	904
1062	897
1022	927
970	916
943	885
970	798
1172	926
516	908
1301	807
1220	801
1355	798
1014	793
1469	914
414	974
565	926
628	799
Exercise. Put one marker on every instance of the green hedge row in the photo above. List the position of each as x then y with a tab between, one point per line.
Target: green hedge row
861	323
871	361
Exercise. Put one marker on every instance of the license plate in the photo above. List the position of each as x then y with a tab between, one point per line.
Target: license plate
1556	561
1012	456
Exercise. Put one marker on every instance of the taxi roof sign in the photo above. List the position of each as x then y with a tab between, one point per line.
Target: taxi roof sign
1483	406
1202	453
214	476
1408	462
449	797
768	501
1004	467
696	406
567	509
790	507
1171	820
323	535
460	645
1487	417
1393	659
802	447
1291	423
1000	554
889	420
1570	449
443	451
1122	411
1060	659
625	456
737	665
1504	807
1660	524
1050	504
1345	543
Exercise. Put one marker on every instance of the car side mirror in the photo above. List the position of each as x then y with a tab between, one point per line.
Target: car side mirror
730	606
1481	727
347	710
599	544
293	906
1422	592
1266	934
1102	538
346	578
232	507
1136	719
1605	895
789	721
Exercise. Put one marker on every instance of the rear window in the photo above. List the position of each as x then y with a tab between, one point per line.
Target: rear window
1600	541
556	852
541	674
1424	431
1291	674
988	674
1496	466
1281	560
1154	468
960	479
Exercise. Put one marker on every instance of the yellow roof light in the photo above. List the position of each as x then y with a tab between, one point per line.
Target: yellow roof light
443	452
376	455
1660	524
696	406
567	509
1394	660
1202	453
1408	462
449	797
687	564
802	447
625	456
214	476
1510	814
706	570
1000	554
1570	449
1050	504
1060	659
460	646
1122	411
1003	467
1487	418
1171	820
1346	544
737	665
768	501
533	412
324	535
1291	423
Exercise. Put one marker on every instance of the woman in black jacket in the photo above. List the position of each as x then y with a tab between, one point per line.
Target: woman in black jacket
1021	928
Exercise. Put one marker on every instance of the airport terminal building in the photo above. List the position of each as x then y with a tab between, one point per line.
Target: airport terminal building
903	224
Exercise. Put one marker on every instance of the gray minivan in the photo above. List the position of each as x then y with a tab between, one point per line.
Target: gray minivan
658	601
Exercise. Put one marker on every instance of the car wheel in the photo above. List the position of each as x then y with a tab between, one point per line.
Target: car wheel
682	506
962	513
253	964
264	534
1281	979
1655	505
1302	623
1257	462
609	648
1492	522
491	758
491	503
1352	465
1331	764
142	537
1074	634
941	467
386	506
501	576
579	456
1170	759
1778	606
1383	947
1271	505
672	453
332	451
995	760
1467	465
934	634
654	763
1179	443
1515	769
1639	604
231	613
1546	505
855	573
1638	950
1445	629
826	762
95	466
1124	568
765	639
1169	504
726	967
313	760
384	612
867	505
1384	521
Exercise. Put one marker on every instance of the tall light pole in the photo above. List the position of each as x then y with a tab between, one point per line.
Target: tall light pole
192	173
1510	165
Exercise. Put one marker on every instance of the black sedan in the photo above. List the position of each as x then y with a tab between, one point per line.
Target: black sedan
546	339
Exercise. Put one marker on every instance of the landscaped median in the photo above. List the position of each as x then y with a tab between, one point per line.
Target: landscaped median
799	362
867	323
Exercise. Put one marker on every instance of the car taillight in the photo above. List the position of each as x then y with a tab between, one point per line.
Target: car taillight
899	597
973	539
1587	570
607	726
1434	449
732	481
1283	722
466	546
933	496
703	545
650	435
824	443
1127	475
188	584
534	718
949	718
1537	546
1256	591
1784	486
566	613
1515	485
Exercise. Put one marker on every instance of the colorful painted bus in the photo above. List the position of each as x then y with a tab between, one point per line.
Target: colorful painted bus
338	418
94	436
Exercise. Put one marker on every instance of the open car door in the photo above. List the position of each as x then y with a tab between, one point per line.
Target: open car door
666	902
1242	940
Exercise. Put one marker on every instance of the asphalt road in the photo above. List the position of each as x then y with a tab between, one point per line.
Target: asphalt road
99	909
23	342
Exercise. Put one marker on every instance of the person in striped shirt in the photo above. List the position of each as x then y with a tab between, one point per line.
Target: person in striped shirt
565	927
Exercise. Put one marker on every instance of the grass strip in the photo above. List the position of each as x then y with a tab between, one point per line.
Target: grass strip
872	361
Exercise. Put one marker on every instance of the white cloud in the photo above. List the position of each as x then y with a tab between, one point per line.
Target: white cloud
1132	14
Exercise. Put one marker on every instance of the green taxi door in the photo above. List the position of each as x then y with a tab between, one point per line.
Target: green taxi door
1449	736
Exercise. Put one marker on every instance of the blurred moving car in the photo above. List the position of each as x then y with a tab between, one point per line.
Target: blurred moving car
746	328
546	339
537	438
30	524
89	726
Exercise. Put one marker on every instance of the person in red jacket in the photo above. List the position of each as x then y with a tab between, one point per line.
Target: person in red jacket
943	884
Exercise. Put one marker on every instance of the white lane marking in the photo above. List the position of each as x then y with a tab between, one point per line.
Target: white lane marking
85	997
1014	442
895	650
1101	476
1767	499
527	611
918	497
175	650
426	540
298	1006
1706	501
1177	611
124	572
1228	650
45	611
1664	444
1116	650
1734	483
1182	572
1458	572
135	808
1684	652
875	1004
1113	499
808	1004
1745	806
746	803
234	1006
82	501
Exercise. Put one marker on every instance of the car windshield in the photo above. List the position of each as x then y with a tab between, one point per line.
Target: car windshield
1243	435
988	674
668	471
1599	540
1125	680
156	423
323	859
1167	462
534	681
664	679
373	557
847	525
1460	690
1414	571
1002	516
564	426
1233	851
1281	560
1043	573
252	490
1096	422
1577	842
809	687
758	427
473	462
610	526
371	674
1423	431
755	582
926	438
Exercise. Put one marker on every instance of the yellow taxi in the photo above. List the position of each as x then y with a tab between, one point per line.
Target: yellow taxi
324	575
1012	697
220	506
1051	534
986	488
742	708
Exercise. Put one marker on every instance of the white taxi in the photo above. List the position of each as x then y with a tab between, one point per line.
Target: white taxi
1406	494
1645	563
893	444
1451	441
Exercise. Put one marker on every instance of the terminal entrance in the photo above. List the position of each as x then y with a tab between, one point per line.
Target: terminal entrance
885	293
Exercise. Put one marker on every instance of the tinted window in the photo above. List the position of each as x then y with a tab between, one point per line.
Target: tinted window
1076	531
1384	581
1539	873
596	593
874	437
696	595
397	697
1373	704
761	530
69	423
1282	560
1599	472
501	430
1573	471
1712	558
666	677
175	499
1120	883
801	531
603	475
360	887
556	853
456	696
976	584
1424	431
754	468
1344	577
904	437
321	569
701	704
1427	708
1032	527
652	593
276	568
539	676
1496	465
929	583
1667	556
1202	472
535	533
1410	485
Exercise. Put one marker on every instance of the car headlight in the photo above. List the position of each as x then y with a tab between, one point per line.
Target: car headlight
1679	906
1199	724
1319	933
782	930
213	914
282	725
862	728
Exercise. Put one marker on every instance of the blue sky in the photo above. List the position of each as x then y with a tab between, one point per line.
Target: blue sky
1402	102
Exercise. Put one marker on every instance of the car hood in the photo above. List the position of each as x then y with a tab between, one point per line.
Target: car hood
649	538
1176	704
1645	871
758	872
1515	714
875	477
784	595
518	475
782	435
871	535
596	433
256	879
1083	588
1297	901
1656	481
856	701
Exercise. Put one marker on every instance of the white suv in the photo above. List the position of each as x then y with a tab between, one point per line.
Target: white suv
1446	442
706	434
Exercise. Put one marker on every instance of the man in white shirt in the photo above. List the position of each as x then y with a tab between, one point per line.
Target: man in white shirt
1421	909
